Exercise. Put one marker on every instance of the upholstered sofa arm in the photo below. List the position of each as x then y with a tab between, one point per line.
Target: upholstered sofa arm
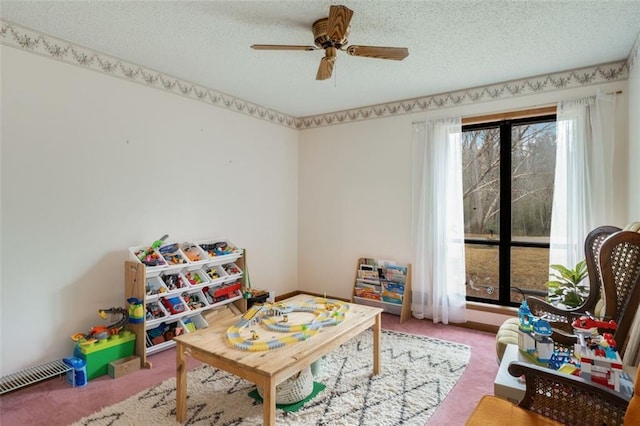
568	399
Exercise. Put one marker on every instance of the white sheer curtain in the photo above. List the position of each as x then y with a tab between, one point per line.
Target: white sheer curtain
438	276
583	183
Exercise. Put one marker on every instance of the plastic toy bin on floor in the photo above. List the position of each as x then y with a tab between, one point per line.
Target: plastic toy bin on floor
99	354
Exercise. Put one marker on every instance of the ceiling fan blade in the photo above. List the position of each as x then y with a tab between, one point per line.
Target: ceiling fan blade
326	64
282	47
325	69
394	53
338	22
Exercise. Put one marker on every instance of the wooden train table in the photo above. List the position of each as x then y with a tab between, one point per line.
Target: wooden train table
272	342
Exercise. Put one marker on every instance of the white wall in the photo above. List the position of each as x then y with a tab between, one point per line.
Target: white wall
92	165
354	184
634	137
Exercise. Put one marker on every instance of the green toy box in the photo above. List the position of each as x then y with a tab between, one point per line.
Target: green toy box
99	354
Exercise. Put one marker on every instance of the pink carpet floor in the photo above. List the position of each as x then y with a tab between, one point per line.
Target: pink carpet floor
54	402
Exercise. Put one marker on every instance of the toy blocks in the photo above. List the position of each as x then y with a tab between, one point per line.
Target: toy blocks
100	353
534	335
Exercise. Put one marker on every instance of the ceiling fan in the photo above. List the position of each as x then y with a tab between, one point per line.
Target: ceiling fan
331	35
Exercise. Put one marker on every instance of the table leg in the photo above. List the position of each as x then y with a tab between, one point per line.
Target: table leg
181	384
377	368
269	401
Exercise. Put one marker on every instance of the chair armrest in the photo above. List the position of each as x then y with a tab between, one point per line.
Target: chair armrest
559	318
531	292
569	399
538	305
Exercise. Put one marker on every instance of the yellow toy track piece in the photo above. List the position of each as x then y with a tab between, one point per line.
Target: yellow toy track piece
326	312
77	337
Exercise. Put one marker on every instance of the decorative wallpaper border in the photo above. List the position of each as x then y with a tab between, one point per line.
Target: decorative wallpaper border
23	38
14	35
562	80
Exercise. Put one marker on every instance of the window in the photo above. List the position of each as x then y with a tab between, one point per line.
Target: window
508	174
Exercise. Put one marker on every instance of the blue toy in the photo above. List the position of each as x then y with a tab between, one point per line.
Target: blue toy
534	335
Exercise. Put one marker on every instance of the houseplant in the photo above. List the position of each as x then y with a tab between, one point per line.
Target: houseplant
565	285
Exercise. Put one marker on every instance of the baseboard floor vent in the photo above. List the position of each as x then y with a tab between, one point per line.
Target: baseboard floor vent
33	375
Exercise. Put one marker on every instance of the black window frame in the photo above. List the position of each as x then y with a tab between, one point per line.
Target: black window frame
505	242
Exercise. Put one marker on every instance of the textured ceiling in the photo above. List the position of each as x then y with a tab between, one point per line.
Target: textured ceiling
452	44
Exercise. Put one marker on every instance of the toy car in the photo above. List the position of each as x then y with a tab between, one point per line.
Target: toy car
174	305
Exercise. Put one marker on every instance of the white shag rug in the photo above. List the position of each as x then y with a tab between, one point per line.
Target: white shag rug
418	373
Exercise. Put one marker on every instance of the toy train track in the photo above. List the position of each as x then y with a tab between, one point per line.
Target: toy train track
101	332
275	317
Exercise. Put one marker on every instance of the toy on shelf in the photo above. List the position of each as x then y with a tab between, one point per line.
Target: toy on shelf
162	333
173	281
211	272
189	325
101	332
225	292
534	335
172	254
154	311
220	248
148	256
173	304
231	269
194	278
193	300
192	252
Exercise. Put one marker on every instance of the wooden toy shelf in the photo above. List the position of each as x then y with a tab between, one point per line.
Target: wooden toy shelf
384	285
148	285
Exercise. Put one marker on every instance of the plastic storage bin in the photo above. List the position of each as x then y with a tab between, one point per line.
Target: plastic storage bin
215	274
221	250
174	282
194	300
155	286
172	254
163	334
194	323
153	261
196	277
194	252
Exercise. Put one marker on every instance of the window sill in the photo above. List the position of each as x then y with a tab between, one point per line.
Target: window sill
494	309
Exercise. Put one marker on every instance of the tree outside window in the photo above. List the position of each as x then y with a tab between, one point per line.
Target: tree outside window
508	175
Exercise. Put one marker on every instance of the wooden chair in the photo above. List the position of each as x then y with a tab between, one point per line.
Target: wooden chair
553	398
619	266
613	262
561	317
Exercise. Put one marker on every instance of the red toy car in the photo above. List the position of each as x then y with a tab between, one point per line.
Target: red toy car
174	305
